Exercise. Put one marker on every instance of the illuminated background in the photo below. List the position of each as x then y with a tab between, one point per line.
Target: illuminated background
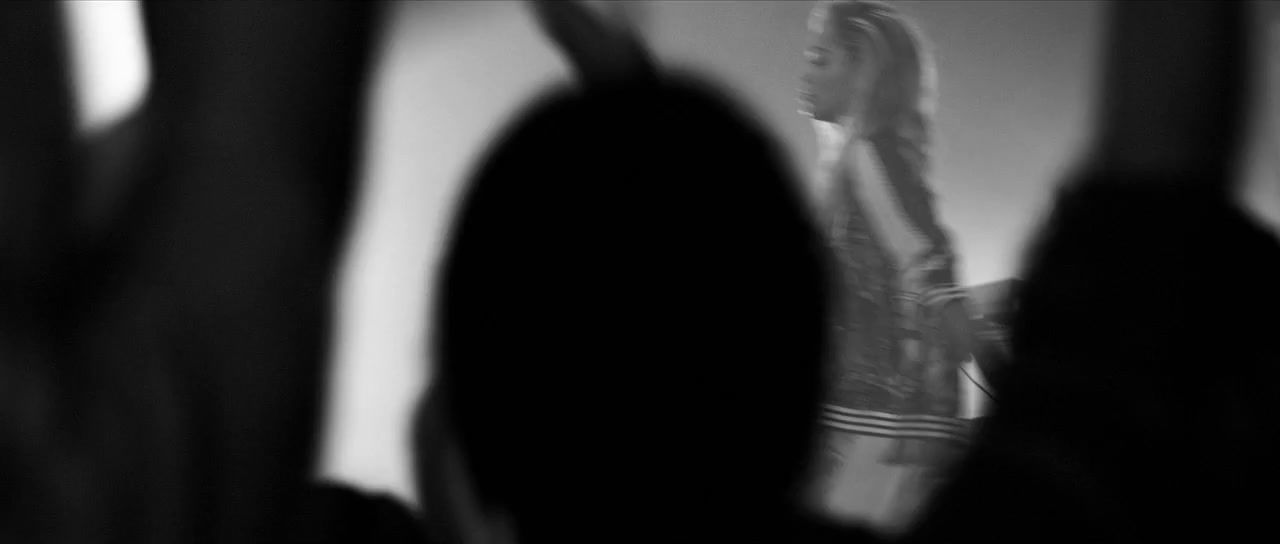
1017	80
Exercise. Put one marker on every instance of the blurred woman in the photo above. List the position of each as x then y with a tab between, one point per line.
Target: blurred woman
901	320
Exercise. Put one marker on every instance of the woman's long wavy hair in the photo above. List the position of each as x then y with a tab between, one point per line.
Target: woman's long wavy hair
901	107
905	92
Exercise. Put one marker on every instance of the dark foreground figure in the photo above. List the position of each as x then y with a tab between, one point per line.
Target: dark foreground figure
629	339
164	286
1141	412
1139	403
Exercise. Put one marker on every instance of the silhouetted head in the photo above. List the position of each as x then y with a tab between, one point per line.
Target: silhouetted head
630	326
1133	359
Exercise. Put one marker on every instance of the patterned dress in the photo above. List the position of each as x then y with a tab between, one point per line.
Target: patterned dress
894	416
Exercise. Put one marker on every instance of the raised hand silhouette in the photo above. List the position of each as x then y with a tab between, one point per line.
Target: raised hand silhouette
599	49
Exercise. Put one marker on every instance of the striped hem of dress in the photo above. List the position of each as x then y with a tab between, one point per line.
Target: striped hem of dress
943	294
889	425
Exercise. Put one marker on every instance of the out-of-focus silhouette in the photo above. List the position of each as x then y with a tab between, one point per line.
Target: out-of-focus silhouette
632	289
600	50
166	284
1137	404
334	513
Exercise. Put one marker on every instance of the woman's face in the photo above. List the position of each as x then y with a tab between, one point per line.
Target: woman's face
837	79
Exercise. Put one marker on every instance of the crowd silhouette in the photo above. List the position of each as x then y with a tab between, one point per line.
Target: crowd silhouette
621	308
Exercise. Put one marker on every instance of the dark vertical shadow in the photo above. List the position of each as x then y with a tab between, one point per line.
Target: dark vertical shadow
40	486
254	132
1173	87
35	151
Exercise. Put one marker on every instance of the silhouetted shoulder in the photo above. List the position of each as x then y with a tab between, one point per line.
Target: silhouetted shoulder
1138	403
337	514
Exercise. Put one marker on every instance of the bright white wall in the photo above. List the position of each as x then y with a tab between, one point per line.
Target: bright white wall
453	72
